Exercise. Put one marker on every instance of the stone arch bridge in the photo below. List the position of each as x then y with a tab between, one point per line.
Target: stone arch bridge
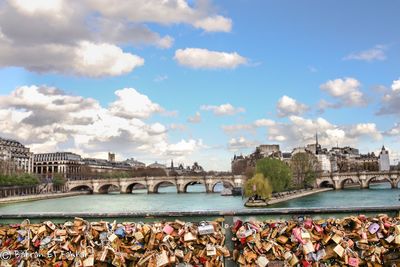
338	180
152	184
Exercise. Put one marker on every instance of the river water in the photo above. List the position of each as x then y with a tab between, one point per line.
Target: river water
168	200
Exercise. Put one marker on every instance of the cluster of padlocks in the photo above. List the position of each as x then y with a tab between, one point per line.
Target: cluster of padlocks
85	244
351	241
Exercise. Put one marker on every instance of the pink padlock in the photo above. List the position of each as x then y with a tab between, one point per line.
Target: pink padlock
387	225
168	229
353	262
318	228
297	234
308	223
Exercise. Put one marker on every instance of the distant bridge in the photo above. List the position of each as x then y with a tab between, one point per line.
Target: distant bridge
338	180
152	184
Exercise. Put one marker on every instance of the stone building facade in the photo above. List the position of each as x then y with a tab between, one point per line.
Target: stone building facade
15	157
68	164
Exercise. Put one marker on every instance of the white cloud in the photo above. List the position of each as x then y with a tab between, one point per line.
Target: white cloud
390	101
85	59
224	109
264	123
104	59
132	104
369	129
199	58
85	38
396	85
375	53
238	128
47	119
288	106
214	24
239	143
394	131
38	6
346	92
196	118
299	131
163	12
161	78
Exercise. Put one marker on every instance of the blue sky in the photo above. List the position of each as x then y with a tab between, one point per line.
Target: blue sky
254	72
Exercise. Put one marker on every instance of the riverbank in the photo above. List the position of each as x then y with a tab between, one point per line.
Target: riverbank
302	193
16	199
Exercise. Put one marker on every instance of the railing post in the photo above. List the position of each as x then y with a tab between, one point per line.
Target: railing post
228	240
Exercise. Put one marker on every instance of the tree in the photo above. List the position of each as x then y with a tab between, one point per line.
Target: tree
261	185
277	172
305	168
59	179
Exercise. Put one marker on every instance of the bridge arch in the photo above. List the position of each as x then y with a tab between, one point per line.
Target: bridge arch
378	178
326	184
353	180
81	187
166	183
231	183
130	188
184	188
103	189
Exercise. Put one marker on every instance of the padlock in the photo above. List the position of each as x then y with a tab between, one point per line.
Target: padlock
211	250
162	259
205	228
339	250
262	261
373	228
168	229
188	236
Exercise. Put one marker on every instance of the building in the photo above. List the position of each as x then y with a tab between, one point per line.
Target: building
239	164
15	156
156	165
68	164
384	161
111	157
93	167
135	164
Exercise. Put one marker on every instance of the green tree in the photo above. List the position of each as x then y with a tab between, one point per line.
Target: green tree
261	185
305	168
277	172
59	180
24	179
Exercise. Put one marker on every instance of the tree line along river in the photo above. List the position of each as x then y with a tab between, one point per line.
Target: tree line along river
197	199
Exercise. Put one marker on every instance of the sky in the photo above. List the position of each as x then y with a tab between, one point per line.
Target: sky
199	80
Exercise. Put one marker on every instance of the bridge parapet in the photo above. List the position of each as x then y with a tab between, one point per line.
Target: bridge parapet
338	180
152	184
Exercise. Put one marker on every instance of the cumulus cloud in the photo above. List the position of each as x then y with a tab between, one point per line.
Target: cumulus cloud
375	53
288	106
394	131
47	119
224	109
199	58
132	104
164	12
196	118
299	131
390	101
214	24
346	92
251	127
241	142
86	37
